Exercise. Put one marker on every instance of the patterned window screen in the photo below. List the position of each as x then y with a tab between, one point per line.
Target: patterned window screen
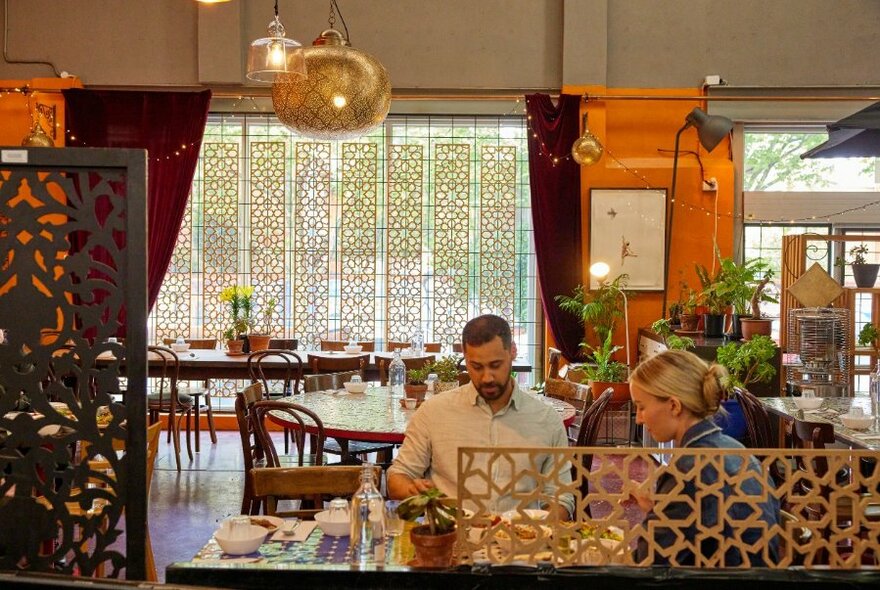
422	224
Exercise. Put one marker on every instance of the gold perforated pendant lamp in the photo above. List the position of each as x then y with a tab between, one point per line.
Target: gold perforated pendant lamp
347	93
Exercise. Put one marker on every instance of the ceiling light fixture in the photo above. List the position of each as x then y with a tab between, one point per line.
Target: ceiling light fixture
275	55
346	94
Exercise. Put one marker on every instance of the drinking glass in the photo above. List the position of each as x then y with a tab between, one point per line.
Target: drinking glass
856	411
239	527
393	522
808	393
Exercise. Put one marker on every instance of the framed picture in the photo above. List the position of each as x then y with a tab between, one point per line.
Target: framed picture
628	233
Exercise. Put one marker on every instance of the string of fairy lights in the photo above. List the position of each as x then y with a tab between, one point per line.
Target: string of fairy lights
556	159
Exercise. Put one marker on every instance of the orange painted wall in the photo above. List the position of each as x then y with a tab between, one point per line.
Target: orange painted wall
634	132
15	119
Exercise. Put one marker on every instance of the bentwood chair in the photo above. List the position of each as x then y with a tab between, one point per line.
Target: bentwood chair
283	343
319	482
342	367
197	392
326	381
411	362
587	436
393	345
164	397
337	345
576	394
290	373
554	361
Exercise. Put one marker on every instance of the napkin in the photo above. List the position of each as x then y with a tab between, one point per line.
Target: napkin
302	532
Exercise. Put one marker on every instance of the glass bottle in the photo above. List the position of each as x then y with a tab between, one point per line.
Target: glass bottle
431	382
367	534
396	374
874	390
418	343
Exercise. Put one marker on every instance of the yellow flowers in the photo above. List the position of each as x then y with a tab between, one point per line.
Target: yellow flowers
239	300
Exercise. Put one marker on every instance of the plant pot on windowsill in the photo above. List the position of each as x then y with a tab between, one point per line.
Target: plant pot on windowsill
865	275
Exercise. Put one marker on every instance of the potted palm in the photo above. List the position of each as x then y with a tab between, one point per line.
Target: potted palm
603	372
601	308
738	283
864	274
434	539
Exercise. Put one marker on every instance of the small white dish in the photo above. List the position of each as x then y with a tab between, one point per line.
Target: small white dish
857	422
354	387
335	528
176	347
243	545
352	349
807	403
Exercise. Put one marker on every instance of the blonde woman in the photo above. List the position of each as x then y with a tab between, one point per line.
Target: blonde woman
675	396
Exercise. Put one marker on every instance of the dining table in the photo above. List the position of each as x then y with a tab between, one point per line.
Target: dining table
376	415
785	409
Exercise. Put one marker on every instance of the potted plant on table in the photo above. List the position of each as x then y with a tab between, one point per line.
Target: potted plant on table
415	386
447	369
434	540
864	274
714	296
604	372
689	318
673	341
756	324
260	340
239	300
746	363
737	284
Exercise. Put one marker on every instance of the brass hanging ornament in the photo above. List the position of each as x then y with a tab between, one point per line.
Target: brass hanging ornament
586	149
37	137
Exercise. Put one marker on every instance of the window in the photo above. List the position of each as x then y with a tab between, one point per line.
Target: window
424	224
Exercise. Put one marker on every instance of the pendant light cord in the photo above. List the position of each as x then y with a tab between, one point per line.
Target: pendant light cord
276	9
333	5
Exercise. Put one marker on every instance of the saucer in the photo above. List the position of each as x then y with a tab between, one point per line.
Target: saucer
688	332
227	353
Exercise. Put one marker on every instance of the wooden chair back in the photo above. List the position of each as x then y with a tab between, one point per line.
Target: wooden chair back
758	427
587	436
251	447
812	435
575	394
393	345
410	362
292	371
194	343
297	482
554	361
303	417
164	372
284	343
325	381
335	364
366	345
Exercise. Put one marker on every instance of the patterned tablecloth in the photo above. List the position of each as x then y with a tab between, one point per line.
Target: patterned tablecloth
831	409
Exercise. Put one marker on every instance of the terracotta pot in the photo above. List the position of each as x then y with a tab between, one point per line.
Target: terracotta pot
620	395
689	322
259	341
234	346
432	550
752	327
415	391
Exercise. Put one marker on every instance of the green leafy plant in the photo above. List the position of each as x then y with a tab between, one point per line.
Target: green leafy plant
603	368
601	309
446	368
267	312
418	375
240	304
438	510
737	282
713	293
869	335
857	255
673	341
760	294
749	362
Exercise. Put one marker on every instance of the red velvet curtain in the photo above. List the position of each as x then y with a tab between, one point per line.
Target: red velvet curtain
556	209
170	126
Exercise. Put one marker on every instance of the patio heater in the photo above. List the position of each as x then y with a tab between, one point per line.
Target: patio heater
820	336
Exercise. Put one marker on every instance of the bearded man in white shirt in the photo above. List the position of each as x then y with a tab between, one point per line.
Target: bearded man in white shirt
490	411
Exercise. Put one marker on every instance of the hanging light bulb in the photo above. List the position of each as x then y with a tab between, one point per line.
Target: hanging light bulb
275	54
586	149
347	93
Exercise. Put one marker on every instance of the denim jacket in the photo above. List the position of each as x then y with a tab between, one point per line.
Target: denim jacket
706	434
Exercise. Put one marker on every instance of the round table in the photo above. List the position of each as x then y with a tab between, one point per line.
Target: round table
372	416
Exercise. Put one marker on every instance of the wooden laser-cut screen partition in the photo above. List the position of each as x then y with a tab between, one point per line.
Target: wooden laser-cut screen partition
72	274
833	515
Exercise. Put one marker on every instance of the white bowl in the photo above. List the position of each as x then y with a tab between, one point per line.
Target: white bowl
857	422
808	403
338	528
180	347
241	546
352	387
352	349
